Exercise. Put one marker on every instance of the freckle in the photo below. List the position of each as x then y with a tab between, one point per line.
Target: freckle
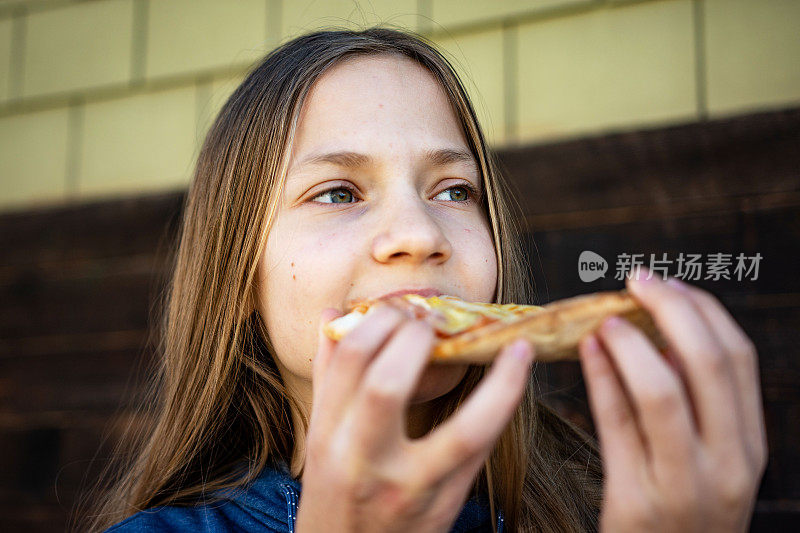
294	277
292	263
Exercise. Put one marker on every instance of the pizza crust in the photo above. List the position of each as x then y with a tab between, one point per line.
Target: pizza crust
554	329
554	332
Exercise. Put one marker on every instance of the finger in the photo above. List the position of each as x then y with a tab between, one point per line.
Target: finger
319	365
388	384
454	490
352	354
325	346
662	408
745	365
708	371
474	428
621	443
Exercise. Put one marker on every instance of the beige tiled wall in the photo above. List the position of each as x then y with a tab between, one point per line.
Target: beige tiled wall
141	142
114	97
305	15
195	35
77	47
753	53
606	69
5	57
211	95
478	59
454	13
33	164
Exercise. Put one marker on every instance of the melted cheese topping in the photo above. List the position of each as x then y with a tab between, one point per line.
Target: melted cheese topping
462	315
448	315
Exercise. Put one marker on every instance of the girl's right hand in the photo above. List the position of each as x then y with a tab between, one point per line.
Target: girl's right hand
362	472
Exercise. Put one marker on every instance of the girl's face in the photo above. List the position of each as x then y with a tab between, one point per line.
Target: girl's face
397	219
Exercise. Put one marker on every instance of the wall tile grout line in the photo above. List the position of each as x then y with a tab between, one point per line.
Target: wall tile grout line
510	77
16	77
273	23
424	16
114	91
31	6
536	15
202	100
141	9
75	122
700	64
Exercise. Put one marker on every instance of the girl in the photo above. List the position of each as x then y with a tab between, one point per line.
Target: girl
350	164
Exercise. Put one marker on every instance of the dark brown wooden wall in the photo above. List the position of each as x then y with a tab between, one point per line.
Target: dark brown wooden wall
77	285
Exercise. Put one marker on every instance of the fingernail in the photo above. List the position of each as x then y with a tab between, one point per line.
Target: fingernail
611	323
640	285
678	284
591	344
592	354
642	275
521	350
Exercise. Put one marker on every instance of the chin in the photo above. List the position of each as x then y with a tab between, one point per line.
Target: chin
437	380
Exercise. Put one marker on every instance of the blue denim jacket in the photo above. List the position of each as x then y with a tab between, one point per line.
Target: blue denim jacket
268	504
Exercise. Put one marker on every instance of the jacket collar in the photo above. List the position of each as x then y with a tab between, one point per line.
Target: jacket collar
275	489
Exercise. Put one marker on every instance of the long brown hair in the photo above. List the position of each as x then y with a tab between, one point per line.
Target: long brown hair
223	413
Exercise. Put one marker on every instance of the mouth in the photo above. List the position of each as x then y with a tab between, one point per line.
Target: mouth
425	292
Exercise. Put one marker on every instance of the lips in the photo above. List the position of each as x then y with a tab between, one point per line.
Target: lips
425	292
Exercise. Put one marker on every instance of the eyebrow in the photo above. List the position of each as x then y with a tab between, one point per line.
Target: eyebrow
347	159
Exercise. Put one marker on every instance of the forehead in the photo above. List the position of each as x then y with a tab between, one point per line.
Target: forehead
382	100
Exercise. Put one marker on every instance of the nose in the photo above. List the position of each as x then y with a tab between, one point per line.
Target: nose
409	233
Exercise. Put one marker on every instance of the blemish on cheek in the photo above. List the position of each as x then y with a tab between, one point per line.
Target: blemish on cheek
294	277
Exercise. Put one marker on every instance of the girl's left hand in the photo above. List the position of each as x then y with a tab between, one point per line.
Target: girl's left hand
682	439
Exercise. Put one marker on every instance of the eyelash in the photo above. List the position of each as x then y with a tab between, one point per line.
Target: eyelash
473	193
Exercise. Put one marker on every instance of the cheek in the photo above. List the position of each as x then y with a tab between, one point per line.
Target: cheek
477	264
301	273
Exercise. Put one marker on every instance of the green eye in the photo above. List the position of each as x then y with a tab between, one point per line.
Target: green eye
463	197
341	194
339	197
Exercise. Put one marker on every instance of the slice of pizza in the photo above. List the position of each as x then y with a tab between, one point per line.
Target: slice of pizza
474	332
